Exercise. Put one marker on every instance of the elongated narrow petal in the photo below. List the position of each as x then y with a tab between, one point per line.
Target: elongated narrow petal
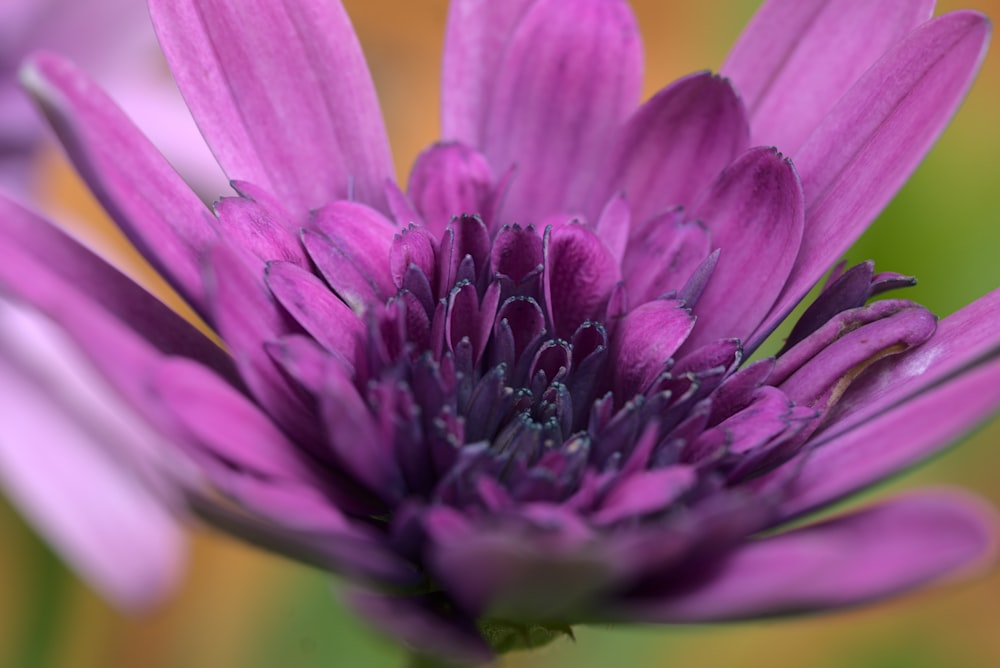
843	463
676	143
44	266
797	57
136	185
282	94
754	213
76	460
475	41
592	56
868	145
873	553
246	316
963	339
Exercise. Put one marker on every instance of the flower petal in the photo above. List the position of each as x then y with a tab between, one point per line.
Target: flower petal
80	464
675	144
282	94
963	339
754	212
593	57
875	136
139	189
842	463
475	40
797	57
876	552
44	266
644	341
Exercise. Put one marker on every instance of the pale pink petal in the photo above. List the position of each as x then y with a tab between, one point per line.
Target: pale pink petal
282	94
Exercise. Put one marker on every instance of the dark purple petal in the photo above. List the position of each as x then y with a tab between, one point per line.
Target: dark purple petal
427	624
282	94
797	57
753	212
644	493
545	565
593	57
579	275
676	143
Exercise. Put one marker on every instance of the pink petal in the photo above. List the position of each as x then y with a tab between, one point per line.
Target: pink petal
866	148
844	462
676	143
282	94
592	56
962	340
797	57
474	44
753	212
896	546
83	466
139	189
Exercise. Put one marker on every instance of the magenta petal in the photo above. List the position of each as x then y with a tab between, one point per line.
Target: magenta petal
44	266
225	423
643	342
330	321
754	213
246	317
870	554
579	275
797	57
364	237
260	229
662	255
593	57
676	143
78	462
643	493
282	94
872	140
450	180
136	185
475	42
863	336
961	340
842	463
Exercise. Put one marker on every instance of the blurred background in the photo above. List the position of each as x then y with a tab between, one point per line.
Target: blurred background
241	607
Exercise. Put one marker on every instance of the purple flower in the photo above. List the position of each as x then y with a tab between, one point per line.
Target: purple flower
519	395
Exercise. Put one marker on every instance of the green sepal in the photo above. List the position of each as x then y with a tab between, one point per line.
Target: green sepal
504	636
